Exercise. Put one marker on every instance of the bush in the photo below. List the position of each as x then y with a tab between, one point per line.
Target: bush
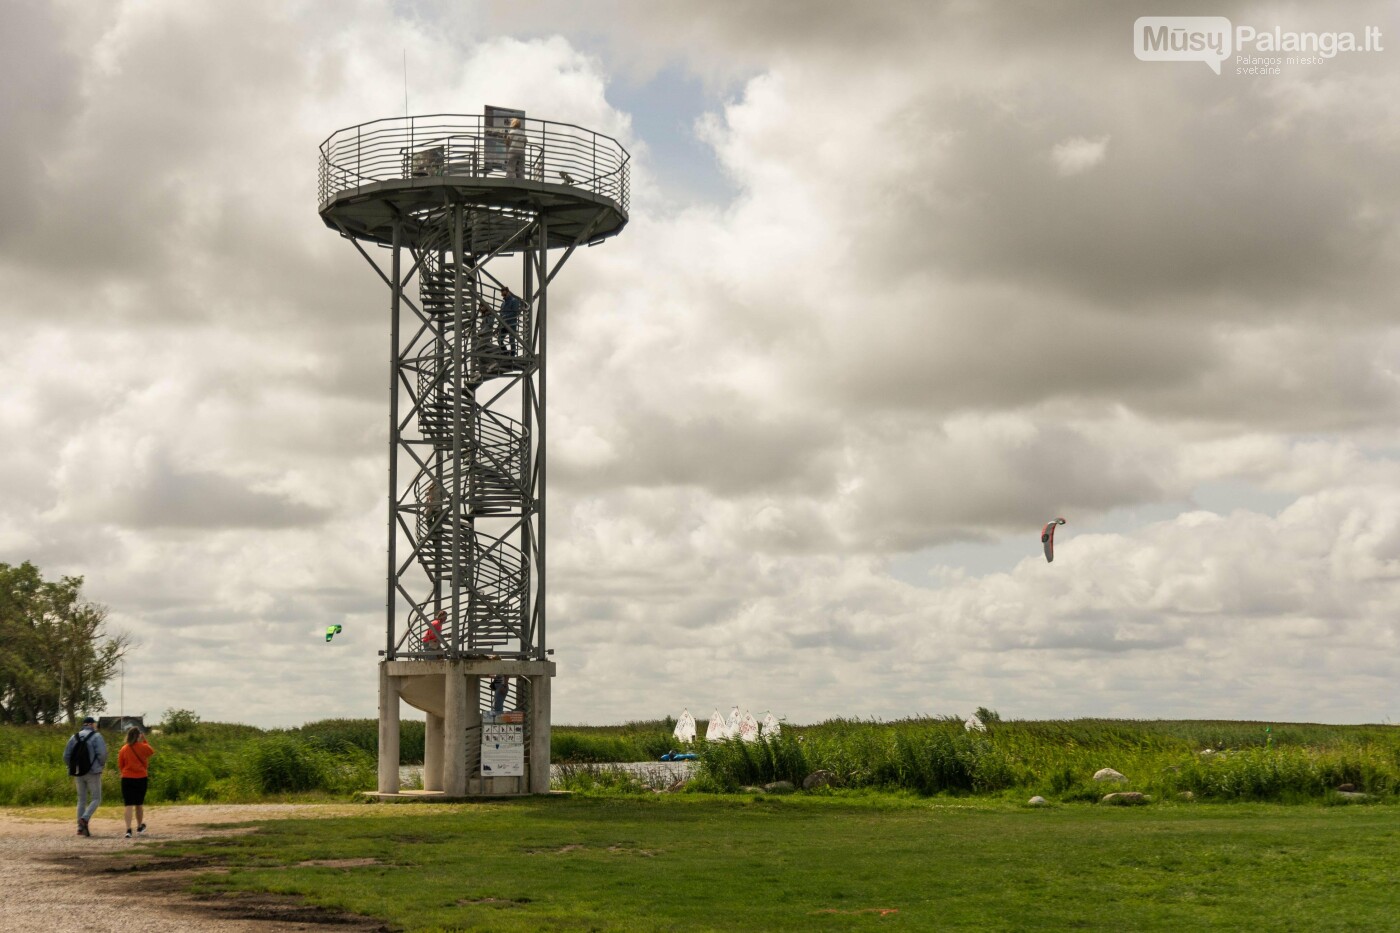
734	763
280	764
283	764
175	776
335	734
23	785
179	721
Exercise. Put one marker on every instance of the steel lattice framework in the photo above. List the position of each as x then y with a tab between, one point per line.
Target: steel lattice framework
464	210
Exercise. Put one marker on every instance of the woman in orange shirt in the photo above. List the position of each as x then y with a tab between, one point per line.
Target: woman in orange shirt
132	762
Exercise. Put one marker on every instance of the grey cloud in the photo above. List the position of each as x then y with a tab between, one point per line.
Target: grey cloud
167	496
1193	202
996	348
925	488
731	453
41	80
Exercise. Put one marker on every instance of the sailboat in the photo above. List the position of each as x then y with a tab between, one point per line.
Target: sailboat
717	731
748	727
685	728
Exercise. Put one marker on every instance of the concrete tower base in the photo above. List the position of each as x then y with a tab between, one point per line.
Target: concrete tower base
449	692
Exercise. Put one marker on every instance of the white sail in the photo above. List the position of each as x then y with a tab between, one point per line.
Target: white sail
770	725
748	727
685	728
974	724
732	724
717	730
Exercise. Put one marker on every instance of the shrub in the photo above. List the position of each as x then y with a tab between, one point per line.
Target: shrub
23	785
281	764
733	763
335	734
179	721
175	776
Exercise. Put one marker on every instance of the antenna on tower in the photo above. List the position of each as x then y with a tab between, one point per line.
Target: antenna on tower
405	81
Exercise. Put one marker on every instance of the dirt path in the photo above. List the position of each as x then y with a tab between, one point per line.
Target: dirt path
54	881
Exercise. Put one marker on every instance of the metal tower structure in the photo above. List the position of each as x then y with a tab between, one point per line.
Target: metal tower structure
458	215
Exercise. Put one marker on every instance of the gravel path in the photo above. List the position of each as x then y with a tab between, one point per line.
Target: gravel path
46	885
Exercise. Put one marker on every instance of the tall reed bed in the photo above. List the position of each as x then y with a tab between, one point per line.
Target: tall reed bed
632	741
1057	759
1212	760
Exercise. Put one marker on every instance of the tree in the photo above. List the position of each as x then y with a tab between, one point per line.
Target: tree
177	721
55	653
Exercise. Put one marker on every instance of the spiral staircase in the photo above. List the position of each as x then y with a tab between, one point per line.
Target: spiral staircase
476	469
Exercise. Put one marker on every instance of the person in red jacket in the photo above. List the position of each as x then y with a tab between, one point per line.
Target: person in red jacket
432	635
131	760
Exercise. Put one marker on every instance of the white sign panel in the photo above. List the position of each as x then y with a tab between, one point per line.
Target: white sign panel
503	749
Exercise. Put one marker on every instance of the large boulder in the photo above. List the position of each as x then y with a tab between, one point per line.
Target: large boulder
1125	798
1108	774
1037	801
818	779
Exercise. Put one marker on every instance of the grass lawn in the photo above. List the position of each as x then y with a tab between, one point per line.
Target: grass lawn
698	862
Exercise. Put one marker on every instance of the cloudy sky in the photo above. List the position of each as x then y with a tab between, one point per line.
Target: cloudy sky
903	280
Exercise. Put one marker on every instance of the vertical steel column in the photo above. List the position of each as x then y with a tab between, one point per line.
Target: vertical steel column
527	476
459	384
538	641
396	293
439	480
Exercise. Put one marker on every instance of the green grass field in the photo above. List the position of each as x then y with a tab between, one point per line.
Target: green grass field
692	862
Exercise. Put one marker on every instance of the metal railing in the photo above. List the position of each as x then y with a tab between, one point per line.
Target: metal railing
465	146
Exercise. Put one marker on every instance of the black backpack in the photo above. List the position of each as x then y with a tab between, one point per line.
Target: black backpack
80	762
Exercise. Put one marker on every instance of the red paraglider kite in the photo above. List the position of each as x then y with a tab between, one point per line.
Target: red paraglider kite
1047	538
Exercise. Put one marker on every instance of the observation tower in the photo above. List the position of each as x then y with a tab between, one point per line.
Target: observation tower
458	216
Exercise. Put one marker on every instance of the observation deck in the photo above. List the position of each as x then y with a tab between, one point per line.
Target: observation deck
411	168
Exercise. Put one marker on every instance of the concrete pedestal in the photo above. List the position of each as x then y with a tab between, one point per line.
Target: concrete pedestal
449	692
388	732
432	754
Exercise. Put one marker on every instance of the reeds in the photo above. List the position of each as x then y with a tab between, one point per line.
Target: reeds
1212	760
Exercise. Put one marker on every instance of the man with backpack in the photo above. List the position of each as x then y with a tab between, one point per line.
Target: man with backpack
85	756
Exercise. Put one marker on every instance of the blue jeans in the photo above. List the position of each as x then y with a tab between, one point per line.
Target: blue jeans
89	794
510	325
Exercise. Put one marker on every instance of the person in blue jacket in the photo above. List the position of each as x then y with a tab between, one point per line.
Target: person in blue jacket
89	781
509	334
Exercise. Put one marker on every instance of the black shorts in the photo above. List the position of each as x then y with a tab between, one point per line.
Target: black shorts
134	791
